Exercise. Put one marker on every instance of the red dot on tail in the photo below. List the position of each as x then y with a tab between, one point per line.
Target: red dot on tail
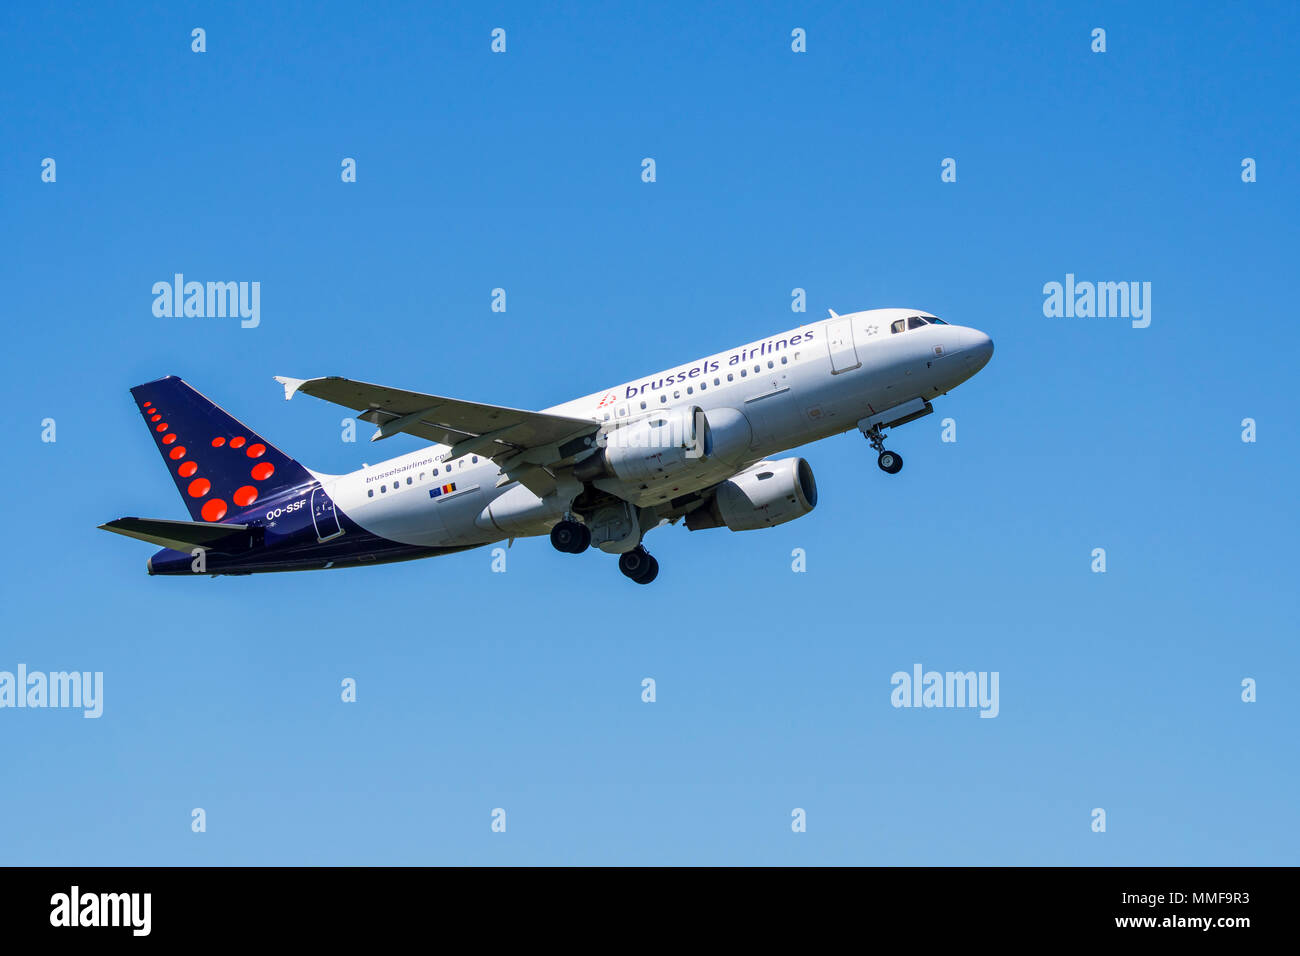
263	471
154	417
256	451
238	442
199	487
218	442
187	469
245	496
160	427
177	452
169	438
214	510
148	404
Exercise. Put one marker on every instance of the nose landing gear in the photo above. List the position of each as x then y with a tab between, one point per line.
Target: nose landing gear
890	462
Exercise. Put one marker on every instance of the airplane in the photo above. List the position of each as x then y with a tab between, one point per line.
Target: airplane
689	444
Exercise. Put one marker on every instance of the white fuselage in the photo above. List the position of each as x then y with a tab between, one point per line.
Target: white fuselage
816	380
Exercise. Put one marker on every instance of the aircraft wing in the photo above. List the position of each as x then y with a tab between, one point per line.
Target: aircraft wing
524	443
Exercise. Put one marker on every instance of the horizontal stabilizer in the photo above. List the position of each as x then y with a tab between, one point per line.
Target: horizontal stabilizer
177	535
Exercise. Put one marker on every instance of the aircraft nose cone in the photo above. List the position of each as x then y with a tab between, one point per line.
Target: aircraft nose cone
977	348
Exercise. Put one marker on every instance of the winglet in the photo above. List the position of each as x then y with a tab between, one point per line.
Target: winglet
291	385
834	314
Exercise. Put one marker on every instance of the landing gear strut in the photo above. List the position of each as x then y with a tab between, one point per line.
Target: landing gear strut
890	462
571	537
638	565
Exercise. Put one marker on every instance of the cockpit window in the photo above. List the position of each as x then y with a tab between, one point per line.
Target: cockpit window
914	322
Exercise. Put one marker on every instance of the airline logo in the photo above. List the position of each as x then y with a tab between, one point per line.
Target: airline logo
444	490
192	462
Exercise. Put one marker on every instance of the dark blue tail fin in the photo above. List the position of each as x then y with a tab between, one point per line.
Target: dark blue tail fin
220	466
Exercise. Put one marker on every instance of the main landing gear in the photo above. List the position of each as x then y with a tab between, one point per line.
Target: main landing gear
571	537
890	462
639	565
574	537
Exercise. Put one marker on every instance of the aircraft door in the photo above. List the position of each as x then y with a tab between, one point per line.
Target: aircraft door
323	515
839	340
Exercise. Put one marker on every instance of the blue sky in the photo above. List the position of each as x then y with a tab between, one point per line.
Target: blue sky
775	170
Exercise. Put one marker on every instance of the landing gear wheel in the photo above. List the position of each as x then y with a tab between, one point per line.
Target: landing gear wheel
639	565
651	574
890	462
571	537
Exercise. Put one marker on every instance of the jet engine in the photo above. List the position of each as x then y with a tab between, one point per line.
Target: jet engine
667	441
766	494
649	448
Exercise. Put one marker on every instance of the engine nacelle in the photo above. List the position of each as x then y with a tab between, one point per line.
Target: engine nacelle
649	448
766	494
729	435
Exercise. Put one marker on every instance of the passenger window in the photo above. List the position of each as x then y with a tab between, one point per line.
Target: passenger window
730	377
897	326
370	493
718	381
743	373
689	390
382	489
408	481
915	322
770	364
663	398
475	458
784	360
